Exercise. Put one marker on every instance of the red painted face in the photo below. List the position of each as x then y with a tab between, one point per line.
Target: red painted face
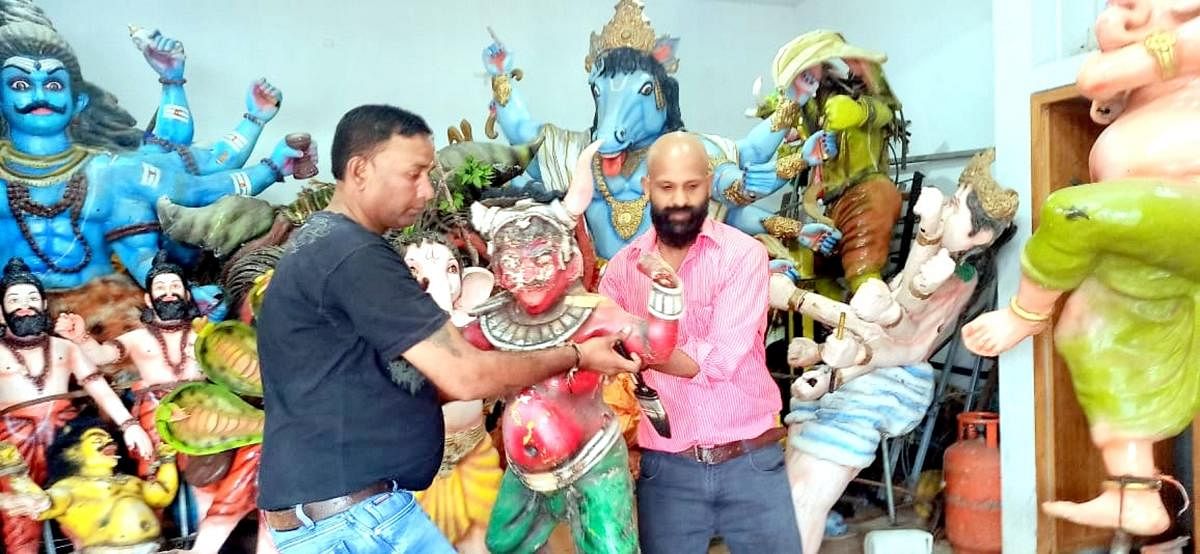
535	273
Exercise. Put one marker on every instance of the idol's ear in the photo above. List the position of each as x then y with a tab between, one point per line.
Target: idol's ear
664	53
477	285
81	102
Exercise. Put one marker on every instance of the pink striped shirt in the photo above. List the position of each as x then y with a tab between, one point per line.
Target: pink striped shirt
725	277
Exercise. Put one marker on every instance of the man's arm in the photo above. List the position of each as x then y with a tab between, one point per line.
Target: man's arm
464	372
679	365
620	274
739	316
388	309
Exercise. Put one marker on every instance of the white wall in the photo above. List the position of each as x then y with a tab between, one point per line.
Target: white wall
1023	27
328	57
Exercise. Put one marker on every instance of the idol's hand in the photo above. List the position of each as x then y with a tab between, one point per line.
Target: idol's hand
165	55
263	100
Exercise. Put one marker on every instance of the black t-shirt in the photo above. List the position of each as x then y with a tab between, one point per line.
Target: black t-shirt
341	413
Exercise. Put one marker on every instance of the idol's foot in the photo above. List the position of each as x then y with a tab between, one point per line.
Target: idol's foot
1143	512
997	331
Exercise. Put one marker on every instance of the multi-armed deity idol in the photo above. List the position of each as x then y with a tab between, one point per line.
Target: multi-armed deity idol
637	101
57	160
1120	249
844	114
871	377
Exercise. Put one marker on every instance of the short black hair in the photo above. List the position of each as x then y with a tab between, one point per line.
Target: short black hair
365	127
163	266
16	272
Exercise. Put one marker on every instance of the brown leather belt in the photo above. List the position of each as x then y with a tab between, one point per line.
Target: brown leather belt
713	455
286	520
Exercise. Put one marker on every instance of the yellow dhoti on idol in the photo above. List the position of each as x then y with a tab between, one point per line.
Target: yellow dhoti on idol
462	495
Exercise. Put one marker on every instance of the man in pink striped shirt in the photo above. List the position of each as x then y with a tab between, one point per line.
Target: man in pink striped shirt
721	472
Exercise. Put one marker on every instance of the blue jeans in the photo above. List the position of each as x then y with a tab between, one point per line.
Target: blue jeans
387	522
746	501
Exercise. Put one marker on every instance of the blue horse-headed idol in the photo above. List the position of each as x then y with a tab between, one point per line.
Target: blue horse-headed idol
637	101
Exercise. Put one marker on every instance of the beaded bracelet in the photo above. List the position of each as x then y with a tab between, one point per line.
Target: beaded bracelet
271	164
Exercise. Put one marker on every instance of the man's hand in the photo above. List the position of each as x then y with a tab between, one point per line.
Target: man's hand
263	100
71	327
599	354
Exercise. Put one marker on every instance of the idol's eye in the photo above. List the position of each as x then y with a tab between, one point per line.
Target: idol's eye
453	269
54	86
646	89
19	85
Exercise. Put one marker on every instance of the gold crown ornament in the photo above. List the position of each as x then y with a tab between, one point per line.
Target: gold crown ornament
629	28
998	202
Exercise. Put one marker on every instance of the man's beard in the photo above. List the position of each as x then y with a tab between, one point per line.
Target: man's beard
27	325
678	234
172	310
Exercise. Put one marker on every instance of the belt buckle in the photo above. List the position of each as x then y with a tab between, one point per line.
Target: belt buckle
703	455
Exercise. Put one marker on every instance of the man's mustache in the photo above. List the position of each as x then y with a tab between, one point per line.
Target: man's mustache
38	104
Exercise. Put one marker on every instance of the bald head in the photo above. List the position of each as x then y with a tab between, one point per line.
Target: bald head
678	180
679	148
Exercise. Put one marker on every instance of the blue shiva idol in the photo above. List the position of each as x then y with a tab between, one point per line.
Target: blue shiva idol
70	200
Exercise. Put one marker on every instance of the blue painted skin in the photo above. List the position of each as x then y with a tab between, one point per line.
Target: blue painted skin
166	57
38	104
628	118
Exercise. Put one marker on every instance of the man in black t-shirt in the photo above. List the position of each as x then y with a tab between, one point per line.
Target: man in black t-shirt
354	355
